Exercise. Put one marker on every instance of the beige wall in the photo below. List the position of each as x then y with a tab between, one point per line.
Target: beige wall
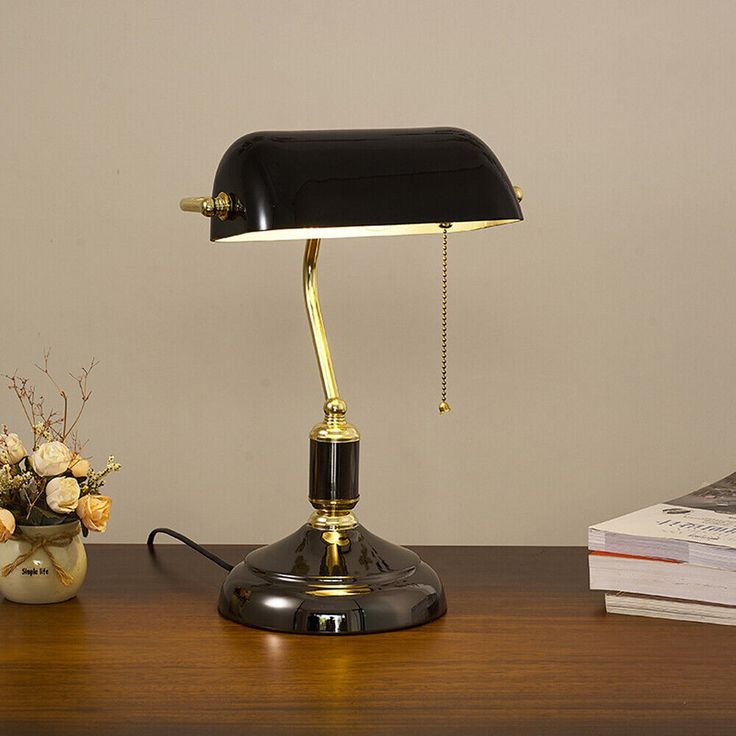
592	348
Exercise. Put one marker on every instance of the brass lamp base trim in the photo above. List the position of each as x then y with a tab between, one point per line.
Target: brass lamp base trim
332	582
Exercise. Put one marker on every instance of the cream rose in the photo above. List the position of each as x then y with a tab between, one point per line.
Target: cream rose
94	511
62	495
51	458
79	466
12	448
7	525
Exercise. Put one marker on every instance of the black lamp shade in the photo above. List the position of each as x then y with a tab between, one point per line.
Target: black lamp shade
345	183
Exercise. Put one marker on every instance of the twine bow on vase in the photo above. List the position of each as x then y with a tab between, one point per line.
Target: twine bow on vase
45	543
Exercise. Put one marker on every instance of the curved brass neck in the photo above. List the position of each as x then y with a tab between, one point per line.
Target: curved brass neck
319	337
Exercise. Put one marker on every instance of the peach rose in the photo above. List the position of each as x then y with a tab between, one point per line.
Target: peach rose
94	511
79	467
62	495
7	525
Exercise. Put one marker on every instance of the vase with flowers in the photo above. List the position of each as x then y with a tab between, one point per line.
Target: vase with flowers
49	496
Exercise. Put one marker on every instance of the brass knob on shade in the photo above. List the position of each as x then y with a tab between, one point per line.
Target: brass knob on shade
203	205
519	192
221	205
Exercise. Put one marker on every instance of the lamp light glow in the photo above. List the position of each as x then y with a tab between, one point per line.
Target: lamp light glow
360	231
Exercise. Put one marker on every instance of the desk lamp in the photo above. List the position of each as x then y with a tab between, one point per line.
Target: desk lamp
333	576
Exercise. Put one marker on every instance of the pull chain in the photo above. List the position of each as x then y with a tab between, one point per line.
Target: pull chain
444	407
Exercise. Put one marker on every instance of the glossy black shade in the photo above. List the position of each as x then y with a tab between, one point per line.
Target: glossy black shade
285	182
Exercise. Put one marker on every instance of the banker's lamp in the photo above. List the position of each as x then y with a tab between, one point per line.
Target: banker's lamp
333	576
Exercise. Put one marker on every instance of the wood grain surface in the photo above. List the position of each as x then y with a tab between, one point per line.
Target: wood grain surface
526	648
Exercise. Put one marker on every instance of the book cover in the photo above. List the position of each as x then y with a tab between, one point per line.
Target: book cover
699	527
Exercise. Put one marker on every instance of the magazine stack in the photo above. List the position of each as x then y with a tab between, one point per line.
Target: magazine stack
672	560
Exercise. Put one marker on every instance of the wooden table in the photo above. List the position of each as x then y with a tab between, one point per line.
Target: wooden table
526	648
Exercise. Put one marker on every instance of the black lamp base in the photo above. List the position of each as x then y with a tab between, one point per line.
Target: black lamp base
332	582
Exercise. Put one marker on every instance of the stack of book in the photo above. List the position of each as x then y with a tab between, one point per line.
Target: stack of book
673	560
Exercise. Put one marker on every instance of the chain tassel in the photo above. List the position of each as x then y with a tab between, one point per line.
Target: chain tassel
444	407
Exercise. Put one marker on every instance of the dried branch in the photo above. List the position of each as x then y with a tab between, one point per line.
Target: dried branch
85	392
39	493
18	386
50	424
62	393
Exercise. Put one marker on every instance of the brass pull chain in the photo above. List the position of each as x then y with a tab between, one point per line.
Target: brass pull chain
444	407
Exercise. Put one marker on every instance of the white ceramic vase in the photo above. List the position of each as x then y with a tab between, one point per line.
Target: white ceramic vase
35	580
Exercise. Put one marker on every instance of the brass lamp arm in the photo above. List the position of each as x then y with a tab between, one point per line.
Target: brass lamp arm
319	336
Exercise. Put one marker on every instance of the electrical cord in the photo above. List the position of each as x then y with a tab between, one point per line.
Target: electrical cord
196	547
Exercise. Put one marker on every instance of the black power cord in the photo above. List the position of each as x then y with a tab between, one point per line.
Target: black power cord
196	547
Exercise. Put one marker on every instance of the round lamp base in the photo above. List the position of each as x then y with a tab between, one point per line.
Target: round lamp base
330	582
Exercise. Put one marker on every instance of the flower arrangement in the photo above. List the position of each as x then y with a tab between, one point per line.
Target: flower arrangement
53	483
